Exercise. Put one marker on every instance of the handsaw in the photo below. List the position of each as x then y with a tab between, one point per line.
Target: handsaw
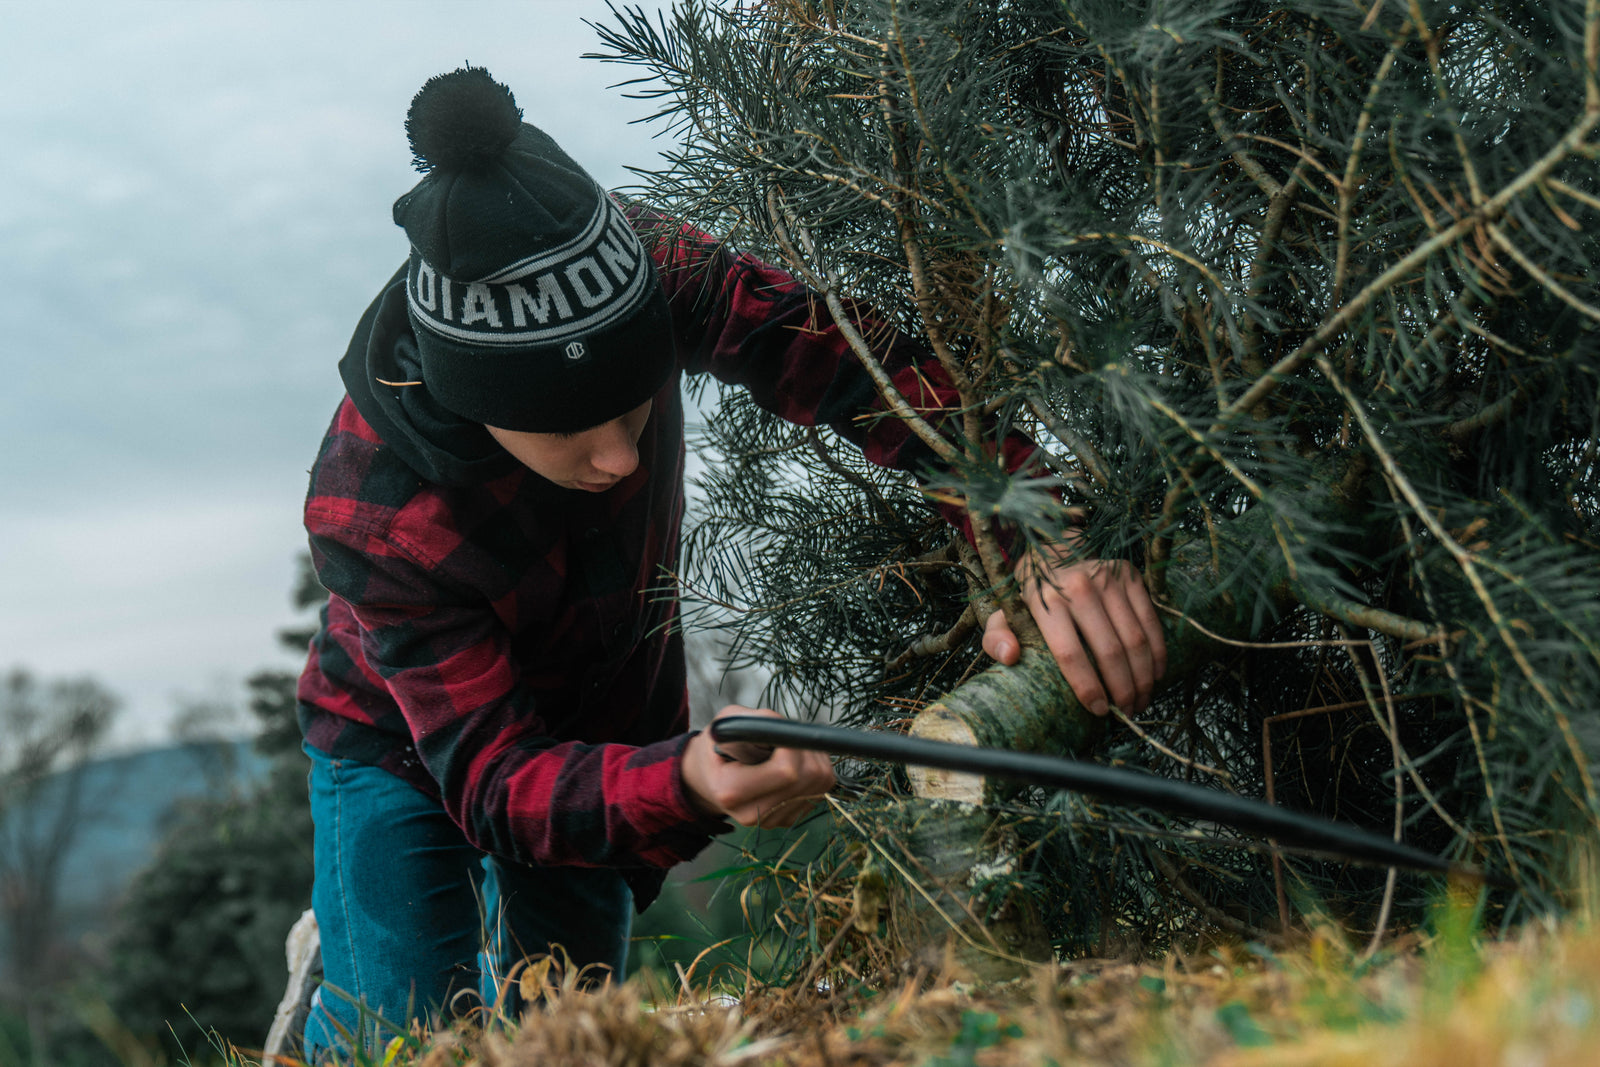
751	739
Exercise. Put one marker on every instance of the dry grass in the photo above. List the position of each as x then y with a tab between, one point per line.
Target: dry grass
1444	998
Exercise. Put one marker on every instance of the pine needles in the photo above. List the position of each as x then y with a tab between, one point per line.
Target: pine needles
1299	301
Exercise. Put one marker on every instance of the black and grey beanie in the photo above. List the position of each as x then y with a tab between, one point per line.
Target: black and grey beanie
535	306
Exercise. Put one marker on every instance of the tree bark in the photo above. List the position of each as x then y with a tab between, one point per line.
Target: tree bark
962	913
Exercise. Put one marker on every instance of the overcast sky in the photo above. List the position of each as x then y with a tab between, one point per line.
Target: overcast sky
194	209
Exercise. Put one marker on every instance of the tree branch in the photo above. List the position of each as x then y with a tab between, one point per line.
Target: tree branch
1347	185
1487	210
1539	275
936	644
827	284
1368	617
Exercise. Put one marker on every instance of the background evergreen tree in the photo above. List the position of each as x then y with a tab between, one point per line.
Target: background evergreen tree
1298	300
200	940
49	736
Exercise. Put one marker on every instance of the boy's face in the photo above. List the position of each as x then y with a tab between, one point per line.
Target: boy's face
592	460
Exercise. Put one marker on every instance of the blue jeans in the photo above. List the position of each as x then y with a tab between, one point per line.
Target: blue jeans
418	924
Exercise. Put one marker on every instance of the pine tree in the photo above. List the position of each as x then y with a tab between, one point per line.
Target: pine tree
1297	299
199	946
50	735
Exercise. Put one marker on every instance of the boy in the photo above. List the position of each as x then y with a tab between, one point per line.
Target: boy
495	705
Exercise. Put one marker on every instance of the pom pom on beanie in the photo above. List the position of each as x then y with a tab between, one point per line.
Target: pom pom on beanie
463	120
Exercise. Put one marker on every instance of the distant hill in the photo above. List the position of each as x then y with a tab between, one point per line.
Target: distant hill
127	802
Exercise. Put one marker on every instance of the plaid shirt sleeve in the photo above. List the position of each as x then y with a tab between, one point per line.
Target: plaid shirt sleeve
400	618
752	324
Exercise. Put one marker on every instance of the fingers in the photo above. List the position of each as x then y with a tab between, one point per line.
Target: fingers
1066	612
999	643
777	792
788	786
1097	619
1124	642
1145	611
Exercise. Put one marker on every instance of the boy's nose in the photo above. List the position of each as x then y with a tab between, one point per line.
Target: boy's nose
616	452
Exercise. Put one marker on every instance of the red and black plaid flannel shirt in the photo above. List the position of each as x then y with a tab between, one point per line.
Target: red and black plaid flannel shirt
504	647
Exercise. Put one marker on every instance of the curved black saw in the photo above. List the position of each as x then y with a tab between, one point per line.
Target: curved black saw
751	739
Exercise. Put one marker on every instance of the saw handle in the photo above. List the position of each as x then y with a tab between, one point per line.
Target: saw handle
746	752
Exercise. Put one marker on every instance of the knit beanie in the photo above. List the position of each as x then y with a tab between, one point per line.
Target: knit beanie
535	306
